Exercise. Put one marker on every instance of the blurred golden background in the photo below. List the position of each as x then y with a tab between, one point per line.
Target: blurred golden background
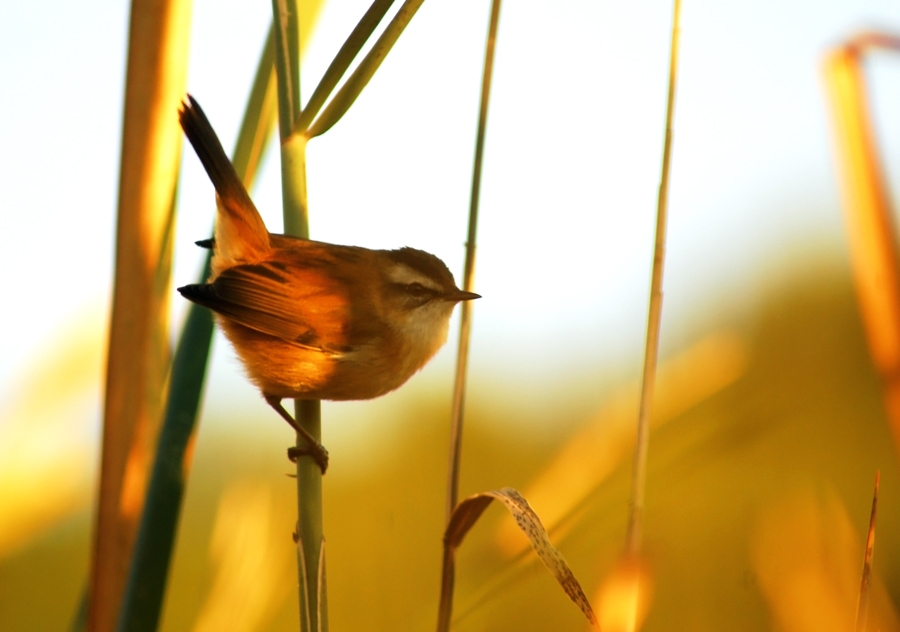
757	505
769	424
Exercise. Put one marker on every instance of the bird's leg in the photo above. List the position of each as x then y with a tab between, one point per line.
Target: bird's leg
314	449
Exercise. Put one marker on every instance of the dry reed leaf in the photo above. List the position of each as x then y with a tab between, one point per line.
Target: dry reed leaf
470	509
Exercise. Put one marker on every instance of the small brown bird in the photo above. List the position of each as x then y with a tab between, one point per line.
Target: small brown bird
311	320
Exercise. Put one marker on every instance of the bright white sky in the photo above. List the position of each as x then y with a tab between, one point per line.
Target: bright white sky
573	153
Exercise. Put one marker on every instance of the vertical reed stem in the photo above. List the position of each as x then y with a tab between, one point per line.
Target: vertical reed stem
308	413
651	351
445	609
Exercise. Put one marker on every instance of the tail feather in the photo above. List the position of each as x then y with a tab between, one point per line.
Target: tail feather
241	234
209	150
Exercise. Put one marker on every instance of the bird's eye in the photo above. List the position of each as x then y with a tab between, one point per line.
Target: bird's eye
417	289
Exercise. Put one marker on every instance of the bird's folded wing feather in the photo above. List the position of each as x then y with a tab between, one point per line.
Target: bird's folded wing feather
294	303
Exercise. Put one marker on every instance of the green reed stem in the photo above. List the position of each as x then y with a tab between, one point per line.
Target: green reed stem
448	567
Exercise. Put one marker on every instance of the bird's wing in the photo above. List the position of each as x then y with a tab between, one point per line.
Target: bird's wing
299	304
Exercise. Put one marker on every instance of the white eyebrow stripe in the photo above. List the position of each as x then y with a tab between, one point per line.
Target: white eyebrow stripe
405	275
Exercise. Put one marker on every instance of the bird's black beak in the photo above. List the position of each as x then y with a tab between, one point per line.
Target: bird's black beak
460	295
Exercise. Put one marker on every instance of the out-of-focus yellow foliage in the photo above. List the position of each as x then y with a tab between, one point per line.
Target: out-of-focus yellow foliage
47	434
252	578
624	596
607	439
805	413
806	554
869	213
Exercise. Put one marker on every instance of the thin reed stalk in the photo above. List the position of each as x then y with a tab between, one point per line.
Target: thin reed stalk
309	533
448	572
651	350
296	128
862	606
